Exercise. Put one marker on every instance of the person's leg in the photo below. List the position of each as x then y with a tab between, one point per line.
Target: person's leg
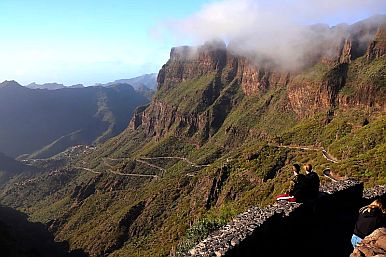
355	240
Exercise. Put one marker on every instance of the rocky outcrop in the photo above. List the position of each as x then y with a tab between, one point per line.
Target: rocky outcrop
218	182
136	121
366	96
307	98
257	79
260	231
188	63
377	48
82	192
159	117
123	228
372	245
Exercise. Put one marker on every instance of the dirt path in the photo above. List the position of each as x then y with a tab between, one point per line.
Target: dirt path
299	147
142	160
329	157
90	170
107	164
175	157
132	174
151	165
325	154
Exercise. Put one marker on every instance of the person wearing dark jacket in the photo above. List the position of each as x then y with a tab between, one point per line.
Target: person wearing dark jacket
370	218
297	184
296	191
312	182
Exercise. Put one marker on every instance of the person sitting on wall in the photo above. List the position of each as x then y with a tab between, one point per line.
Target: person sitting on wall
296	189
312	182
371	217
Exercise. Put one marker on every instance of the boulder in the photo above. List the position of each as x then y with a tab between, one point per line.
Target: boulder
372	245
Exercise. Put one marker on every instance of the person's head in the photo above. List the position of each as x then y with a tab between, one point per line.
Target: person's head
378	204
296	168
308	167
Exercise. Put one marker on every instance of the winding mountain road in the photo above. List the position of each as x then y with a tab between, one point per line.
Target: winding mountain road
130	174
176	157
90	170
325	154
329	157
299	147
151	165
144	160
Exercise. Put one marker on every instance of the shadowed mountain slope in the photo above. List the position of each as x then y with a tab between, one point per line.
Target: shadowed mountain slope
46	122
21	238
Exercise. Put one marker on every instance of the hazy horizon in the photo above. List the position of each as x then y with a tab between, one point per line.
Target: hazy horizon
91	42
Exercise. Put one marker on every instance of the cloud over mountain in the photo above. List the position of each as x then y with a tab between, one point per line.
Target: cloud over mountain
275	29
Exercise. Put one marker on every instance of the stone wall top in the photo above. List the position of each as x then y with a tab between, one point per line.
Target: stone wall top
374	192
241	227
221	242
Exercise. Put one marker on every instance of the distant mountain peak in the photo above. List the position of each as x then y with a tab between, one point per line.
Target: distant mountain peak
77	86
147	80
49	86
9	83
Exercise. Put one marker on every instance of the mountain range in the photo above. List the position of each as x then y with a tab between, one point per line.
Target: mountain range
49	86
145	81
41	123
220	135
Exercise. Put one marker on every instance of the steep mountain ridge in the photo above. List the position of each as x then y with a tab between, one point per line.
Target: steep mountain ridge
323	87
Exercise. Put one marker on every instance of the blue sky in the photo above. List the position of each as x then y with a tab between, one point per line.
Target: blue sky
83	41
94	41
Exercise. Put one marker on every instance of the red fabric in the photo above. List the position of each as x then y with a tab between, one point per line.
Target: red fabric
289	198
292	200
282	195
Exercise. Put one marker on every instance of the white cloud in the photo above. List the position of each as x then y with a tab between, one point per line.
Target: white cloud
270	28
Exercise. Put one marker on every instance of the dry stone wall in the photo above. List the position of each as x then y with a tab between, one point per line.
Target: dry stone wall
293	229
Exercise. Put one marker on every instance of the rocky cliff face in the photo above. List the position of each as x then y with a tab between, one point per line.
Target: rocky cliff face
308	97
318	88
377	48
188	63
